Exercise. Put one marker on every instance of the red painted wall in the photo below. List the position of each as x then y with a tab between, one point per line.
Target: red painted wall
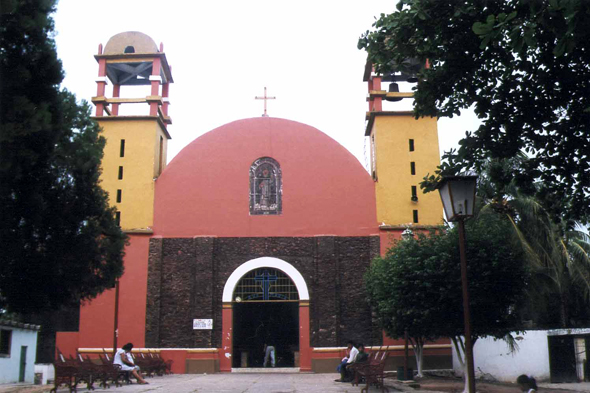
97	316
178	358
67	343
304	347
427	351
205	189
387	239
389	236
226	349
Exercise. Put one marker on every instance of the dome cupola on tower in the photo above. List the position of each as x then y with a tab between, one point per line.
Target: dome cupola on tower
122	42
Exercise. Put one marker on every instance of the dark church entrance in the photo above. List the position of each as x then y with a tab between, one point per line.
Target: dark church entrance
265	312
257	324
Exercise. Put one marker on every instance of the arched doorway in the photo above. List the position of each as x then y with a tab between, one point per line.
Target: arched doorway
265	299
266	312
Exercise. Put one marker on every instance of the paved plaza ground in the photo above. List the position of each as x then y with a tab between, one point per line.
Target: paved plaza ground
287	383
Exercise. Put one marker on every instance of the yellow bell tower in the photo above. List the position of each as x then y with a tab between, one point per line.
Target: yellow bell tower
402	150
135	151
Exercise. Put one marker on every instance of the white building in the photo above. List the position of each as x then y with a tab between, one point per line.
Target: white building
557	355
18	349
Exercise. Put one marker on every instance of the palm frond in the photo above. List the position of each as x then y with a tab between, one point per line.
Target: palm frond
511	342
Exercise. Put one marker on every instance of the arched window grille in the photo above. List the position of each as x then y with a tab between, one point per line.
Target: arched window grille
266	187
265	285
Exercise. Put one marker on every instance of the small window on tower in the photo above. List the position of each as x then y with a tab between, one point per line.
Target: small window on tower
119	192
118	218
415	216
413	168
122	150
373	158
129	49
161	157
411	145
120	173
414	194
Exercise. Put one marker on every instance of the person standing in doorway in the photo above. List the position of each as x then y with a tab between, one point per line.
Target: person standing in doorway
269	353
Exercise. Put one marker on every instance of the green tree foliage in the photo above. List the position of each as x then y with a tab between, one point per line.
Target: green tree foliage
59	239
524	66
417	285
558	253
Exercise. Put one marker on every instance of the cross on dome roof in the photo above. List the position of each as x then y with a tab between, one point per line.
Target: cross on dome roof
265	98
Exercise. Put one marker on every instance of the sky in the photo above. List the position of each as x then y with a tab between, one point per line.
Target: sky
223	54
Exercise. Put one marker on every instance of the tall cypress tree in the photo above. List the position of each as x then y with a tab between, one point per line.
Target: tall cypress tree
59	240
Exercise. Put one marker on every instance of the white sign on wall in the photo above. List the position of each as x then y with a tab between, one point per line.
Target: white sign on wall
202	324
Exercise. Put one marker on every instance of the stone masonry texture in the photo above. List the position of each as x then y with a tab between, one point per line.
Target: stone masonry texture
186	277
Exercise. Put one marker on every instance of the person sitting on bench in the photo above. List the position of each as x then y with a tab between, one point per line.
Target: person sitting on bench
344	370
344	361
124	359
362	355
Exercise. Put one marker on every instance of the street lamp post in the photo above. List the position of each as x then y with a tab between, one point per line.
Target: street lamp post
116	327
407	234
458	198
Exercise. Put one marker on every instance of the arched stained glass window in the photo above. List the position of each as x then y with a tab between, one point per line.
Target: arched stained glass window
266	187
265	285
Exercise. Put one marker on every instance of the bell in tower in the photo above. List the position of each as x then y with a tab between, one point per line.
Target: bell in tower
403	150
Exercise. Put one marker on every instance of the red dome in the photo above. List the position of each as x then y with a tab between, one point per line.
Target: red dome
205	189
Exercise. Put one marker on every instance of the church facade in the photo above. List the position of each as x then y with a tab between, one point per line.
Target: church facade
258	232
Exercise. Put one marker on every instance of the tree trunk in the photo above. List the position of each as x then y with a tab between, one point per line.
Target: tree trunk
563	310
418	347
465	381
460	348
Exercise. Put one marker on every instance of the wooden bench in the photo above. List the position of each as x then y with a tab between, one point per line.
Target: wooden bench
356	376
150	364
72	371
112	371
163	366
90	372
372	371
118	375
65	374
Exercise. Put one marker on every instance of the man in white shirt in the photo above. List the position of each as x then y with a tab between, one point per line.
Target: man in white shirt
344	372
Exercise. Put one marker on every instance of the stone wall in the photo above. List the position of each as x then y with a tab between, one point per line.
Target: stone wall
186	277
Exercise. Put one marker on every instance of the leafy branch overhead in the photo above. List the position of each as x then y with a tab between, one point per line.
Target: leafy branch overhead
523	66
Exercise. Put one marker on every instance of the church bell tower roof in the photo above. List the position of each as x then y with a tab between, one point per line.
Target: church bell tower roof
140	42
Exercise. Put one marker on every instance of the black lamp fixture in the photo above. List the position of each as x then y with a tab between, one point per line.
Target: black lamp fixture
458	196
407	234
